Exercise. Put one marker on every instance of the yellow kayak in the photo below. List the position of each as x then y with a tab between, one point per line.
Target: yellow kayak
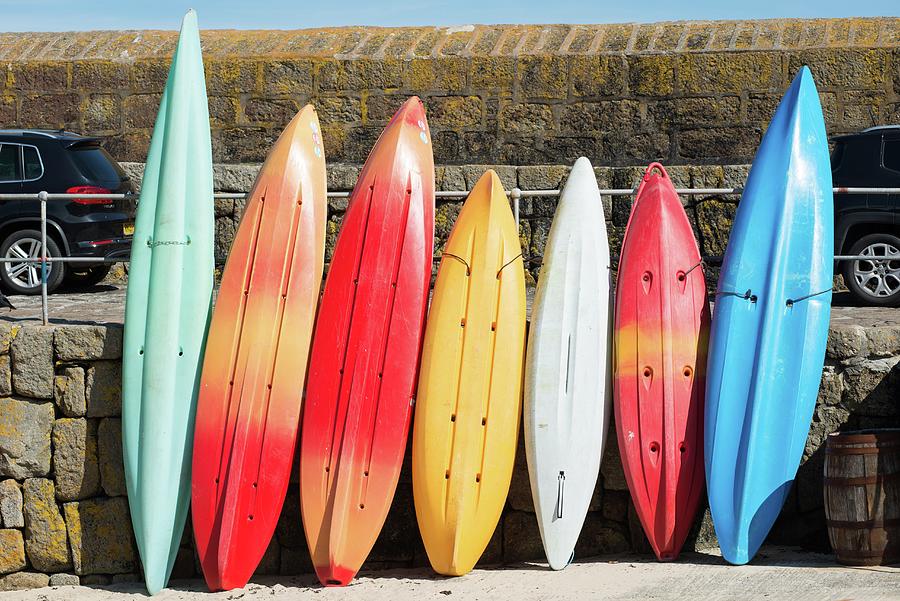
470	383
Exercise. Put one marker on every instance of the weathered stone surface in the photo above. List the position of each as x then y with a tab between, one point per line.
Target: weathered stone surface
184	564
526	117
23	580
519	497
638	538
846	342
11	504
615	505
872	388
831	387
103	389
599	537
5	376
8	332
25	428
64	580
68	392
611	466
112	468
101	536
75	458
542	177
400	537
32	362
521	537
271	559
87	343
703	536
45	530
884	341
12	551
289	530
225	231
102	112
295	561
707	73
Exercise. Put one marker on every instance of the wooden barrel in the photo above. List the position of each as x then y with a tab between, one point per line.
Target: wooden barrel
862	496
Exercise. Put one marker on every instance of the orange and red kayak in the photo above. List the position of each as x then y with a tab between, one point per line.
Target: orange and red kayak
365	352
660	335
251	387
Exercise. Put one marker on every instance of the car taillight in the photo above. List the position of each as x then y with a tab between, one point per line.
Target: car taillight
87	200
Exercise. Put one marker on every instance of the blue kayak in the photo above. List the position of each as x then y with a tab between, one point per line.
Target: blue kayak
770	325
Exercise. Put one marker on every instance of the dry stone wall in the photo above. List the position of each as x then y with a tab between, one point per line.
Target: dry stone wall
621	94
64	513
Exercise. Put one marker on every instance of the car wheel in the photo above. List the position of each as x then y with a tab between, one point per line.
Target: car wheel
87	276
25	278
874	281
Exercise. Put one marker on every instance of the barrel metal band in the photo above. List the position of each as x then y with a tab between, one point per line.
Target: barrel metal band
889	523
869	449
861	480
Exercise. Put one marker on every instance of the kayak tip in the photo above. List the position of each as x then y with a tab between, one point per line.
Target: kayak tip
190	18
804	77
582	164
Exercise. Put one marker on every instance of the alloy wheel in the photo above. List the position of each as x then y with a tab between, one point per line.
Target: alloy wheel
878	277
25	274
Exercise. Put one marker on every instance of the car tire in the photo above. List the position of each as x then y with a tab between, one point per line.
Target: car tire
874	282
87	276
17	277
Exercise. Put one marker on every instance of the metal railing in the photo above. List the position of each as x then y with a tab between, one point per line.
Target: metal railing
515	196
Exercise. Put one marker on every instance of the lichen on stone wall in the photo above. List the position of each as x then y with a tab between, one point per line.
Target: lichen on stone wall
680	92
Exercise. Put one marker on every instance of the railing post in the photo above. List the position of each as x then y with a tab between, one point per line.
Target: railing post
515	195
45	312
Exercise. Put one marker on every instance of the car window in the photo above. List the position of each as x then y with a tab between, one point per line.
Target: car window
10	166
890	156
34	169
96	164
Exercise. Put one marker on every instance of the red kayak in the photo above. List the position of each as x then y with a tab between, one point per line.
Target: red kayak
661	331
365	352
248	409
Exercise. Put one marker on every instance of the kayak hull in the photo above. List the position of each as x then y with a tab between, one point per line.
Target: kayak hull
167	311
767	344
662	325
251	388
470	385
567	368
365	350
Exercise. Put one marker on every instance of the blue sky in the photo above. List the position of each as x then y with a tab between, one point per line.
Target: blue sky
65	15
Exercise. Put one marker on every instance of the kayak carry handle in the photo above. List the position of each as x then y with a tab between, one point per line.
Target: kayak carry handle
560	491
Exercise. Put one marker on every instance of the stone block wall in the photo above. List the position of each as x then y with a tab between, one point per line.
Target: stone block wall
64	513
682	92
63	508
711	216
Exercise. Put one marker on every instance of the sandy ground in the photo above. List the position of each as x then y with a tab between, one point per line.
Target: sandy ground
775	574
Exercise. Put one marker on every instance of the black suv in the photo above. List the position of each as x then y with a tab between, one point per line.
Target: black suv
32	161
868	224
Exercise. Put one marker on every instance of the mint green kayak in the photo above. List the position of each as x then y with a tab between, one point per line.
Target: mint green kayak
167	311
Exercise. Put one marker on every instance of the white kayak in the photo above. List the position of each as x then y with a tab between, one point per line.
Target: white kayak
567	368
